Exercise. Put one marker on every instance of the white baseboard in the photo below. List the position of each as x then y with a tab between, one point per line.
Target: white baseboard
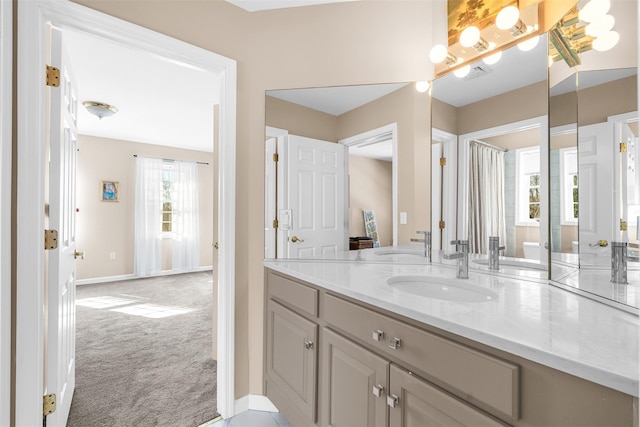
133	276
254	402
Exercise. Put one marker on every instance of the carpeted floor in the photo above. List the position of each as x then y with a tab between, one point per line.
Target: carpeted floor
143	353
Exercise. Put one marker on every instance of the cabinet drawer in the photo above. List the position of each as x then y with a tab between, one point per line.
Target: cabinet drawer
481	379
293	293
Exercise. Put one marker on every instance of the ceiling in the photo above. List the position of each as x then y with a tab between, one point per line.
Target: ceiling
159	101
257	5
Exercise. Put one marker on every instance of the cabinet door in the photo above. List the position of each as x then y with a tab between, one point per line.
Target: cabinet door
354	384
292	357
415	402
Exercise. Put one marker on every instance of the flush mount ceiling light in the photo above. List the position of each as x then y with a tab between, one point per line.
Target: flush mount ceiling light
100	109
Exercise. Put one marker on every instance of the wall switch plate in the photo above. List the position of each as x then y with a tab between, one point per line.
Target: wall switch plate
403	218
112	256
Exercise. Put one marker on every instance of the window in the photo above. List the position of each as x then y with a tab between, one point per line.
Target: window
569	185
528	186
168	193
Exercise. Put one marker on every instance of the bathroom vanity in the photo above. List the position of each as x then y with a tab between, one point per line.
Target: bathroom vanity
347	346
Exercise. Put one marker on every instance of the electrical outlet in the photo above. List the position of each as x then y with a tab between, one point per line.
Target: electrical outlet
112	256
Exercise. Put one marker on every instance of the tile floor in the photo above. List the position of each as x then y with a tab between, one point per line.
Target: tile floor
253	419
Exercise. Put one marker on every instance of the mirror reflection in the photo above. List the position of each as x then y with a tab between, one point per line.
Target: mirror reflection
593	114
497	116
345	177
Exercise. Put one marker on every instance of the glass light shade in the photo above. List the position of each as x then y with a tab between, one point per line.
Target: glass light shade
606	41
422	86
507	18
493	58
438	53
593	10
469	36
462	72
527	45
600	26
100	109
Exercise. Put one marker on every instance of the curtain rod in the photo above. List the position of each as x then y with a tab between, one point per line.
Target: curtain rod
171	160
486	144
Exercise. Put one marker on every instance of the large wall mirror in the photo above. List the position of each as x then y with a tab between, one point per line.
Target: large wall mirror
491	128
593	151
352	170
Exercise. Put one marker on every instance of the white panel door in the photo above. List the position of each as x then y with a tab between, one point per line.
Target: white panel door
595	186
313	188
61	312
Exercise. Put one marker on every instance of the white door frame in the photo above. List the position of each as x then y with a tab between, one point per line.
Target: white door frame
281	136
32	16
361	137
6	66
449	186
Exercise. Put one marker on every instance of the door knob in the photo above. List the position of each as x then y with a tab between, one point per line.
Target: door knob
78	254
295	239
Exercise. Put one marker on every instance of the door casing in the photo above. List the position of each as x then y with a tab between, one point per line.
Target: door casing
29	272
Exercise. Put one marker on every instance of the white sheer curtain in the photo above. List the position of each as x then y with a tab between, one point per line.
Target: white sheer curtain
486	197
147	254
186	241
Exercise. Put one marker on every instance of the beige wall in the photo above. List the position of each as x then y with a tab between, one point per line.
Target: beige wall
288	48
597	103
569	234
299	120
106	227
370	187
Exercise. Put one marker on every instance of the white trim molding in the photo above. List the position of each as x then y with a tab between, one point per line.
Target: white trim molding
6	67
123	277
391	129
32	17
254	402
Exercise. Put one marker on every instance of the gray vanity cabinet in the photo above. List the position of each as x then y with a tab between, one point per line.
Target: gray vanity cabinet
354	384
416	403
291	344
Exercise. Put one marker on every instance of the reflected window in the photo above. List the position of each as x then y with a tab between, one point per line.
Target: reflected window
168	191
569	185
528	186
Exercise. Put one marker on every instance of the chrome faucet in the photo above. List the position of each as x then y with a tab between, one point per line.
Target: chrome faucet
494	252
462	255
427	243
619	258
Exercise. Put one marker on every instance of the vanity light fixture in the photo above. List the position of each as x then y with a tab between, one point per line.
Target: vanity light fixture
529	44
439	53
600	26
493	58
422	86
462	72
605	41
591	11
470	37
509	19
100	109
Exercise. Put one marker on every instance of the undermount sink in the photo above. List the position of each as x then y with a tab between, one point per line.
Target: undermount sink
398	251
520	265
443	289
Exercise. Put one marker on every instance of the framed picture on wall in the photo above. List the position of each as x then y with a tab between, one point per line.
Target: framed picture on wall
109	191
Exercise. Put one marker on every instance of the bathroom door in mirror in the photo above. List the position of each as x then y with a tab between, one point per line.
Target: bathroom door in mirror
499	114
383	127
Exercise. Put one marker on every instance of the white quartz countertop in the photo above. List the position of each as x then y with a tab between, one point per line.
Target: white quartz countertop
530	319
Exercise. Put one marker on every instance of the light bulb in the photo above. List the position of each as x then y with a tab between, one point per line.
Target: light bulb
593	10
507	18
469	36
462	72
529	44
438	53
600	26
493	58
606	41
422	86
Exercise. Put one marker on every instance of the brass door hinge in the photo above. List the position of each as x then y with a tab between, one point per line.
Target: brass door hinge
50	239
623	225
48	404
443	161
215	245
275	157
623	147
53	76
275	223
441	225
